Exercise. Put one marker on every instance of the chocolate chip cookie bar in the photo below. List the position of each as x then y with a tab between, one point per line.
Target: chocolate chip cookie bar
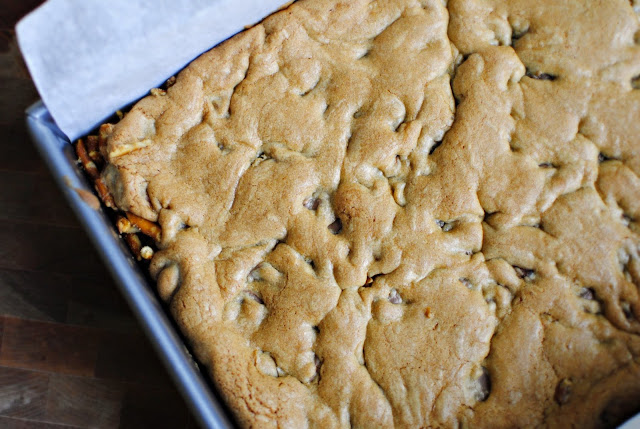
401	213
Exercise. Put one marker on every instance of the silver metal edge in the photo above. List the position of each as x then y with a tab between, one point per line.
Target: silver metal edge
51	143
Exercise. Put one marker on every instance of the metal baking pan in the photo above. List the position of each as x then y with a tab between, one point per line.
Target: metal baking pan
59	155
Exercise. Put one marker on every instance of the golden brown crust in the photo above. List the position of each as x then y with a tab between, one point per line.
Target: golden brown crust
403	213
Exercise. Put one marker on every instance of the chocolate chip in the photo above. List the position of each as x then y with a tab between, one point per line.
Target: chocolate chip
483	386
311	203
563	391
445	226
587	293
254	296
541	76
394	297
465	281
336	226
525	273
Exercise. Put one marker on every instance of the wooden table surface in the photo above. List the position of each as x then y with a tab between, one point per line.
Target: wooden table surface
71	353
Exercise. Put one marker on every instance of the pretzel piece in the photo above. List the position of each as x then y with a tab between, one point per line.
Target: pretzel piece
103	134
93	150
125	226
146	227
104	194
92	170
87	163
134	244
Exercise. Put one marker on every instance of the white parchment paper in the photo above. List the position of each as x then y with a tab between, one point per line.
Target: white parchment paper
89	58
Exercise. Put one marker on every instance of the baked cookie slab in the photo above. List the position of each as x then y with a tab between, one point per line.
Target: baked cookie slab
402	213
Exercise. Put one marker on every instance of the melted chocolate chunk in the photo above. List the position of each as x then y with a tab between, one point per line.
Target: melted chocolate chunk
336	226
465	281
541	76
445	226
254	296
526	274
563	391
484	385
311	203
587	293
394	297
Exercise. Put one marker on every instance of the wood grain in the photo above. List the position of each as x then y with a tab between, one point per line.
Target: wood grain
53	249
17	199
23	393
21	295
1	331
17	423
49	347
77	400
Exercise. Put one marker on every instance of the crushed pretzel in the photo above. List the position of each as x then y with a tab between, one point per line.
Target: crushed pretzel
146	227
125	226
89	166
104	194
93	150
146	252
103	134
92	170
134	244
